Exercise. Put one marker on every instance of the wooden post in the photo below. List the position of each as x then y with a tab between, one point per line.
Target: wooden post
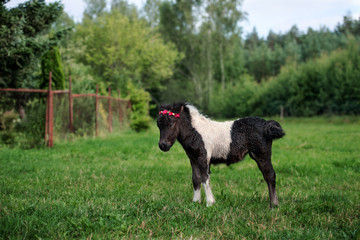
96	109
109	113
51	114
71	118
129	105
281	113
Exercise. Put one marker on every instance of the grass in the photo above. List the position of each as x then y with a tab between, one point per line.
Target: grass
123	186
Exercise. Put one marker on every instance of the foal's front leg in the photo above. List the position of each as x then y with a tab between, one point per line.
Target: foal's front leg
196	179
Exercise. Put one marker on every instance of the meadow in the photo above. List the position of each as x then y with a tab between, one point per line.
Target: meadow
123	187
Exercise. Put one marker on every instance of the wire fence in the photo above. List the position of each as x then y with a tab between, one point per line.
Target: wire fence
45	116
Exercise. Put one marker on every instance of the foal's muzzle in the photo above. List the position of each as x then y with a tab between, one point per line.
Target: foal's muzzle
164	146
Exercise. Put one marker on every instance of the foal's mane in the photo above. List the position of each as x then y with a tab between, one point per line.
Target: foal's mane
180	107
195	113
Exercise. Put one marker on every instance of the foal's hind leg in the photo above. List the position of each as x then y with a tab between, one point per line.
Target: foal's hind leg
210	200
263	161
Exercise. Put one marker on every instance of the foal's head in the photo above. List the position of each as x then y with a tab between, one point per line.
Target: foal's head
168	123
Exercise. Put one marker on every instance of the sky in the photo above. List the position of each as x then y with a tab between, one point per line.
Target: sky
265	15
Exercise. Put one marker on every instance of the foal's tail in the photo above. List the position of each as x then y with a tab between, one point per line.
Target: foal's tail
274	130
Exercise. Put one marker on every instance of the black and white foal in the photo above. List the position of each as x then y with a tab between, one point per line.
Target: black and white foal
209	142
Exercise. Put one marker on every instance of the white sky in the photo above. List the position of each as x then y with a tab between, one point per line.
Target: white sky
265	15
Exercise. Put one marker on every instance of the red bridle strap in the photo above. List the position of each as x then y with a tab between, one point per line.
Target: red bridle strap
170	113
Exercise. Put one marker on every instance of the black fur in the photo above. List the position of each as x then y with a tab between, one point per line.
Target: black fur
248	135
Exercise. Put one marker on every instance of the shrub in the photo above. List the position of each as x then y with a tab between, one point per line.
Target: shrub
32	128
7	124
326	85
140	119
235	101
51	62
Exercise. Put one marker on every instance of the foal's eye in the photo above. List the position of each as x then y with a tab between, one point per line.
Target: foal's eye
171	124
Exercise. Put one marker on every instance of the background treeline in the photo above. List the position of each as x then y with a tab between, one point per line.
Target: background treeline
184	50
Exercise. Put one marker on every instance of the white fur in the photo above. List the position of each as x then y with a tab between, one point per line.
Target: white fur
216	135
210	200
197	195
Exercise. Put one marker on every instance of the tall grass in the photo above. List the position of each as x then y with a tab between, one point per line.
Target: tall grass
123	186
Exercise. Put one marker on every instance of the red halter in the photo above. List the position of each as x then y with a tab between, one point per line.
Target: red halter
170	113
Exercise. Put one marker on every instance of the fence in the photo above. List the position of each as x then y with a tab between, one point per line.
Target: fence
84	114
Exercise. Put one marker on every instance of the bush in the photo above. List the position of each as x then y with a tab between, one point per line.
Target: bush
235	101
32	128
8	120
51	62
140	119
327	85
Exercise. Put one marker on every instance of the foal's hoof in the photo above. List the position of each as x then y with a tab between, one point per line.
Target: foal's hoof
210	203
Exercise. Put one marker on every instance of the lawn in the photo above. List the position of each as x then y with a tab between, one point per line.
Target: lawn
123	186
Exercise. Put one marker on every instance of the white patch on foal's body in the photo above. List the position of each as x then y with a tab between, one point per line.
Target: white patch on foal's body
215	135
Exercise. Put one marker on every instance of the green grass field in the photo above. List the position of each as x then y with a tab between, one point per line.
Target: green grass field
123	186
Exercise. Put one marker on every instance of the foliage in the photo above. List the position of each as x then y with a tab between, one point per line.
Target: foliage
120	50
139	99
8	120
185	51
31	129
325	85
21	45
207	32
84	122
236	100
51	62
124	187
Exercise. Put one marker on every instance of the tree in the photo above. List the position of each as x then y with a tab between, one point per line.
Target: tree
21	45
178	24
206	32
348	26
224	17
94	8
121	50
51	62
126	9
152	12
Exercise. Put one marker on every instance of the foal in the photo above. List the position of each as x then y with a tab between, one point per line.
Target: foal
209	142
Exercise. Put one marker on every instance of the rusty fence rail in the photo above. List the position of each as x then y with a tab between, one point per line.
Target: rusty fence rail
49	119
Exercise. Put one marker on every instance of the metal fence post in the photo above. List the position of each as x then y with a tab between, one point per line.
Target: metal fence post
109	113
47	119
50	114
119	103
71	114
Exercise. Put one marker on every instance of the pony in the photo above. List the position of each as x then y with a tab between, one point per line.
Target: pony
209	142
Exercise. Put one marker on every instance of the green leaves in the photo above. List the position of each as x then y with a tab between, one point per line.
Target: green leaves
21	44
140	119
123	50
51	62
